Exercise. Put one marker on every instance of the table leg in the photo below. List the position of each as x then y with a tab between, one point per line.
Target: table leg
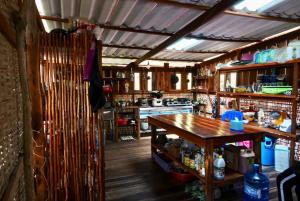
209	176
153	139
257	149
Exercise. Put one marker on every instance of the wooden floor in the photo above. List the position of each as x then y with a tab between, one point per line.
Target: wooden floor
131	175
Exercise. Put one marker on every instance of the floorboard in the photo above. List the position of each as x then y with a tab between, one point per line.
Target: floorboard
131	175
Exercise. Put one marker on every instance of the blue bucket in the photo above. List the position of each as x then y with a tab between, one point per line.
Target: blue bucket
268	151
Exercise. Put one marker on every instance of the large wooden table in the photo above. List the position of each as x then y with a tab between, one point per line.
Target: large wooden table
207	133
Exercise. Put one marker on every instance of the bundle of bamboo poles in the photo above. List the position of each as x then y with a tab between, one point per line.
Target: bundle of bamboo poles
74	147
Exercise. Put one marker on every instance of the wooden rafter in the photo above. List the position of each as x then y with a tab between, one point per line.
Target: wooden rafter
143	31
224	39
174	51
154	59
227	11
196	23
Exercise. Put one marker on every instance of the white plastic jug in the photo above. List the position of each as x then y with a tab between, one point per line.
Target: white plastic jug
293	50
219	168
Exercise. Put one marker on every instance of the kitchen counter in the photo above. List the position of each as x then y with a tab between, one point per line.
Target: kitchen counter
145	112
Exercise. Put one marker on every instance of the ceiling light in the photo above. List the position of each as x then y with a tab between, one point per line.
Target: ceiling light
256	5
184	44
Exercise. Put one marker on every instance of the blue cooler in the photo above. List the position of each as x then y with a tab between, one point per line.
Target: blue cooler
268	151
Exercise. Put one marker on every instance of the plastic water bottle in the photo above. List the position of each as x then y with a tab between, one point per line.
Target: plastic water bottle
219	168
256	185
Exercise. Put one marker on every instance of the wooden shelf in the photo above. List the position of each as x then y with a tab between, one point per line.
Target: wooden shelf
230	176
260	66
115	79
257	96
202	91
275	133
173	158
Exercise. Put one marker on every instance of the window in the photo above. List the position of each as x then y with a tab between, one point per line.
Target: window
189	84
231	79
149	81
137	81
178	84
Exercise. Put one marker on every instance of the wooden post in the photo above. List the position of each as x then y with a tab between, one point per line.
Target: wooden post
209	177
20	25
294	112
33	76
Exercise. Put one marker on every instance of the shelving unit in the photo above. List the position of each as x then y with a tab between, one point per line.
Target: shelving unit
291	68
230	176
128	110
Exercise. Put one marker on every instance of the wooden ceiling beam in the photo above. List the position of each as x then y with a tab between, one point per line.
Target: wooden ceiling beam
227	11
126	47
168	34
134	30
196	23
55	18
224	39
174	51
154	59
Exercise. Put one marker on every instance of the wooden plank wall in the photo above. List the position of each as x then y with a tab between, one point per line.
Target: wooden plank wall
74	148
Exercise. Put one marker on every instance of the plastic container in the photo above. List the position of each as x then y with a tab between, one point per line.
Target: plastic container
282	157
267	151
219	168
232	115
237	125
182	177
293	50
256	185
246	160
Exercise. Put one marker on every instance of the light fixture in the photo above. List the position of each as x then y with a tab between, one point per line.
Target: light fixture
256	5
184	44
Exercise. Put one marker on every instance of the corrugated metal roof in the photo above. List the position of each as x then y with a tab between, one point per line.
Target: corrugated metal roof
238	26
181	55
150	15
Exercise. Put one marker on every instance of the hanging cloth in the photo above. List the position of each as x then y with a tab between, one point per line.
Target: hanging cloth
96	96
88	67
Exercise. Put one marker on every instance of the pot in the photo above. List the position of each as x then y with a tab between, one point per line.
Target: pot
144	126
156	94
107	89
143	102
157	102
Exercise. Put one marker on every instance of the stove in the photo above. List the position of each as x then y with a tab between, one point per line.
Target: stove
177	102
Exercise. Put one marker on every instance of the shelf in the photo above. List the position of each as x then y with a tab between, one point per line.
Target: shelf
173	158
115	79
157	130
133	125
257	96
230	176
275	133
260	66
202	91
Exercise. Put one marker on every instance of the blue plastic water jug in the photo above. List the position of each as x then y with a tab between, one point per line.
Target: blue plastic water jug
268	151
256	185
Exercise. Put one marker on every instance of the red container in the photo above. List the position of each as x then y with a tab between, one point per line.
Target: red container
107	89
182	177
122	122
